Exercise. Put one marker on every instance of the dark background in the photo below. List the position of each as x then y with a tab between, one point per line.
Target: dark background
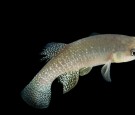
29	30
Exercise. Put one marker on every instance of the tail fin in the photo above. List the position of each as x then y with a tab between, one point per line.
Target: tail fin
37	95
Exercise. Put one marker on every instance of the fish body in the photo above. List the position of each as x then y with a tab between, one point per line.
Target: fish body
69	61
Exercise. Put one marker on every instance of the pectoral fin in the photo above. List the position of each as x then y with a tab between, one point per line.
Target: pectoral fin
106	71
84	71
69	80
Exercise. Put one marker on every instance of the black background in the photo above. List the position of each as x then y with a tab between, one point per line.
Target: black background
30	29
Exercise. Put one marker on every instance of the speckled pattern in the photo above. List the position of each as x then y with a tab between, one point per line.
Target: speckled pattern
40	97
69	80
51	50
87	52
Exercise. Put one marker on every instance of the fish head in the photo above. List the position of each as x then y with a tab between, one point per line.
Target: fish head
126	53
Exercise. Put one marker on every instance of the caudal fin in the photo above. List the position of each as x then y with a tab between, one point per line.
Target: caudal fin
37	95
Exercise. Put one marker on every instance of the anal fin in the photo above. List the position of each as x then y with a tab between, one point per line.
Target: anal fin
69	80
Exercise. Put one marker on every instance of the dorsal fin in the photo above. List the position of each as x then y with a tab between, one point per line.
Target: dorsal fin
51	50
94	33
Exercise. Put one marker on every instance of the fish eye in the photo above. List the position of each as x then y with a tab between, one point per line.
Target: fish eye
133	52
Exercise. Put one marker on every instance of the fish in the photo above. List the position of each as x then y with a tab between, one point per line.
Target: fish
66	62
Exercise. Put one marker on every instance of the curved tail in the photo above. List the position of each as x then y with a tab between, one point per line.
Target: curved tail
37	95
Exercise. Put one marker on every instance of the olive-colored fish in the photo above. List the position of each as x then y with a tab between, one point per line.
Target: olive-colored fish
69	61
